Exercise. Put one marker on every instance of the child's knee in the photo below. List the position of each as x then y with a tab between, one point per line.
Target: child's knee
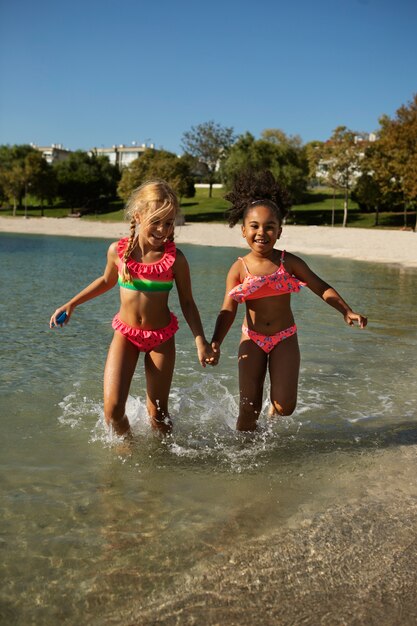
282	408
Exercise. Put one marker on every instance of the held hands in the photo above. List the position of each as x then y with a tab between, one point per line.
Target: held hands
350	318
206	354
215	346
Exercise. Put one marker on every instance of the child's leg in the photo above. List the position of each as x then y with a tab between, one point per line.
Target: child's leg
159	368
284	367
120	367
252	370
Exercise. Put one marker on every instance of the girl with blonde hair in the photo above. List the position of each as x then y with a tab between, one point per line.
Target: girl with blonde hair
145	265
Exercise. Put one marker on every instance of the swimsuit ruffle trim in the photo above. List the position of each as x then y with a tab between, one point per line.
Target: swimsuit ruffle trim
280	281
159	267
139	333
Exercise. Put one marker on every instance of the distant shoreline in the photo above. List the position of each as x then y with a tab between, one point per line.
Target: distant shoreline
393	247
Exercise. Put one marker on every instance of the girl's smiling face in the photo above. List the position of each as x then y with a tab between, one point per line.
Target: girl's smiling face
261	229
157	231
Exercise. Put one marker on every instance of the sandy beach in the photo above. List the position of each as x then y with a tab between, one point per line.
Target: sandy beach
382	246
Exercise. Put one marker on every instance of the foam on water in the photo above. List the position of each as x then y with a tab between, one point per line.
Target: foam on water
204	414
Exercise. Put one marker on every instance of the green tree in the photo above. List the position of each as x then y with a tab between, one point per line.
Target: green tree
368	194
284	156
14	172
377	189
313	150
40	178
243	155
86	180
279	138
397	151
209	143
158	164
340	162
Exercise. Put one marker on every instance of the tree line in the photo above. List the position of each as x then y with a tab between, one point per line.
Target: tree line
379	172
82	180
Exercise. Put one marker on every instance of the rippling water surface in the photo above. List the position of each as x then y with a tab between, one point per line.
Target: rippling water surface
95	532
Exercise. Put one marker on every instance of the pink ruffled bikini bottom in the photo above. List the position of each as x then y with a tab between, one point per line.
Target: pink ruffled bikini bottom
268	342
146	340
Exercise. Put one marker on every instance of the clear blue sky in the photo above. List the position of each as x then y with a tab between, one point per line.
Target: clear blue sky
88	73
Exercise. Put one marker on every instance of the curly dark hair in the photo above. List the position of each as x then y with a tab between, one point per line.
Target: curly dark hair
251	188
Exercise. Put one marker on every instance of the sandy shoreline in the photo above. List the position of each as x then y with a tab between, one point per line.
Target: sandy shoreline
381	246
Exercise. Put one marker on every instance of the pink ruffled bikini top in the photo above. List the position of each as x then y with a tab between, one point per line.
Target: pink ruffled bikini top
157	276
276	284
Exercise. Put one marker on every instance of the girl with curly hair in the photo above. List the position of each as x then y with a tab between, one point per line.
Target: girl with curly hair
264	280
145	265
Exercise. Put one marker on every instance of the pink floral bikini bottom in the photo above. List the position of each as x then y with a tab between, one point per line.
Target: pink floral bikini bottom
268	342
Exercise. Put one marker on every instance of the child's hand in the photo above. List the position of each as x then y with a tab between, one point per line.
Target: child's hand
53	321
216	352
205	354
351	318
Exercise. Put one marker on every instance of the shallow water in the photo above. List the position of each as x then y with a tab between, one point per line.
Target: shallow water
94	532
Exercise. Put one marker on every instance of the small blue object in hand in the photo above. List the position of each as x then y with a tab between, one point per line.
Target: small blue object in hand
61	318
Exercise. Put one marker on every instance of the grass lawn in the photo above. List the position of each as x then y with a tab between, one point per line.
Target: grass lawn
201	208
321	209
316	210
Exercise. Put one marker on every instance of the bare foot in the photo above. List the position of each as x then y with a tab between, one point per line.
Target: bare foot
162	426
272	412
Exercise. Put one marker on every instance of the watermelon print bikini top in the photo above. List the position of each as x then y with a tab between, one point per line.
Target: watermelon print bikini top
276	284
157	276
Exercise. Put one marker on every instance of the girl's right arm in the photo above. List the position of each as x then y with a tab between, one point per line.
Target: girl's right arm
326	292
96	288
227	313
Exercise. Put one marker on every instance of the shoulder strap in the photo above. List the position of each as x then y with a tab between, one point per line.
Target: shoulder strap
244	264
282	256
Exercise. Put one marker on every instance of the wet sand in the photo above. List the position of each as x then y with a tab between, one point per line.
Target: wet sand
351	565
395	247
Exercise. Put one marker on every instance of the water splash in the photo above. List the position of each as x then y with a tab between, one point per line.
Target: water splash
204	412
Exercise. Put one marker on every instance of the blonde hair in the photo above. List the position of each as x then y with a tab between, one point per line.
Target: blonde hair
153	200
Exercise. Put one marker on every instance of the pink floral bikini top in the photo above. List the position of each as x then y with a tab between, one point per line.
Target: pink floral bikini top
276	284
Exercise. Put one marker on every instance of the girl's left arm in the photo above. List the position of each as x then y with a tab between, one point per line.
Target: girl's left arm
302	271
190	310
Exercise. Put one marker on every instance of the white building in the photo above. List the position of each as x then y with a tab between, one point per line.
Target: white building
52	154
122	155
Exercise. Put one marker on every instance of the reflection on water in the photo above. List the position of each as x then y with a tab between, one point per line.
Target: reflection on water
97	532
